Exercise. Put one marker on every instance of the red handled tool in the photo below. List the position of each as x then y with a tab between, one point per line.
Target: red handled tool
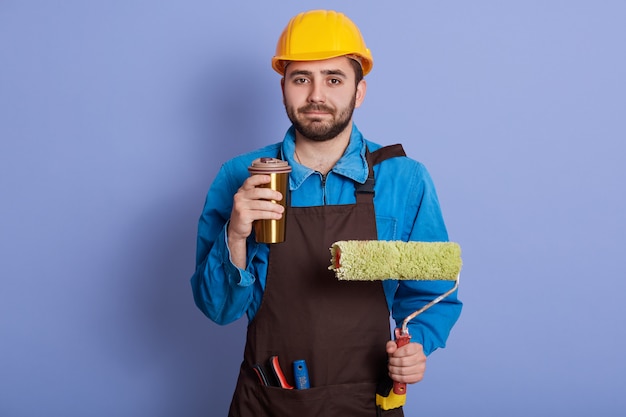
262	375
272	375
278	373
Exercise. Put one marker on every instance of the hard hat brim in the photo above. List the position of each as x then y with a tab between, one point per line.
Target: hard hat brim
278	62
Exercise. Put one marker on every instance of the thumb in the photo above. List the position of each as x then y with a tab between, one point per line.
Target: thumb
391	347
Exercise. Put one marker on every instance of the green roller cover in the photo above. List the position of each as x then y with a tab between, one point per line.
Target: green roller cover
372	260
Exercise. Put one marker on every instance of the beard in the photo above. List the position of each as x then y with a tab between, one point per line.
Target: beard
317	129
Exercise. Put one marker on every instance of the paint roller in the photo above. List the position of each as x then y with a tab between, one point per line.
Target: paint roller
373	260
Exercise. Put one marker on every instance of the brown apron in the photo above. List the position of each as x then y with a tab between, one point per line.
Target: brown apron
339	328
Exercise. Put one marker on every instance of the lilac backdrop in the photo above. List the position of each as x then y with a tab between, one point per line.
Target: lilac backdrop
114	117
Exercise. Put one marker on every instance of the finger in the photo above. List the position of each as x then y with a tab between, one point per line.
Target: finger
406	374
407	356
408	377
391	347
263	209
407	371
254	188
257	199
245	212
255	180
407	361
409	349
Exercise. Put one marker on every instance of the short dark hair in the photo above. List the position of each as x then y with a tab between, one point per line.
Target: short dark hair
358	71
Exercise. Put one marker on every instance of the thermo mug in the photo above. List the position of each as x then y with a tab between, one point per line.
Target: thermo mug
272	231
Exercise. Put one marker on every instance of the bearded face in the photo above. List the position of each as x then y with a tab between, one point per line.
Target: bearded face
329	122
320	96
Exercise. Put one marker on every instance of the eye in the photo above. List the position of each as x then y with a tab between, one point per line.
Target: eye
334	81
300	80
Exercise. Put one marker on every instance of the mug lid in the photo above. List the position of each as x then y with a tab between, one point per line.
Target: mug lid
269	165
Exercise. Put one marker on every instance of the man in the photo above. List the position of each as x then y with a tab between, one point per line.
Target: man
295	306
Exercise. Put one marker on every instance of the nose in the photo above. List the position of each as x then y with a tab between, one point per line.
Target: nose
316	93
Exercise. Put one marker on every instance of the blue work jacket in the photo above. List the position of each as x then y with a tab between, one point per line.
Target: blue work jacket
407	208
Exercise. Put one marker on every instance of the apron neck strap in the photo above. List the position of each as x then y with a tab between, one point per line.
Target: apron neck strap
366	190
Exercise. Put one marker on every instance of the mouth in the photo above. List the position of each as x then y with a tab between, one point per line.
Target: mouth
316	116
316	111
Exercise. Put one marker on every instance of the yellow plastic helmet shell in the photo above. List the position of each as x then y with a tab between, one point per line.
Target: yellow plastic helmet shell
320	34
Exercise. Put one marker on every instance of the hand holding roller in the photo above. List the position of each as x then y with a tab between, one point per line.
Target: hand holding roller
372	260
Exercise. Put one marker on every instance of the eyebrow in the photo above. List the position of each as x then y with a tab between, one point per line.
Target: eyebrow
324	72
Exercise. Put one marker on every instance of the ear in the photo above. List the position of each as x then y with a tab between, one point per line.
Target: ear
361	89
282	88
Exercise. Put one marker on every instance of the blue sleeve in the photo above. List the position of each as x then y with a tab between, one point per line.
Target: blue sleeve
432	327
221	291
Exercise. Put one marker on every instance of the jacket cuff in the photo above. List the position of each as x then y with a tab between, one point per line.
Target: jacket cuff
237	276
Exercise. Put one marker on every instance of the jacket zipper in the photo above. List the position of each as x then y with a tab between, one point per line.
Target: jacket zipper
323	187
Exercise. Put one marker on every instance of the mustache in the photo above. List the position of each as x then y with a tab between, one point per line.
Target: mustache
316	107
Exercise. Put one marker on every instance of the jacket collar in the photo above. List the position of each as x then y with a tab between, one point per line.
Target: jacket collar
352	164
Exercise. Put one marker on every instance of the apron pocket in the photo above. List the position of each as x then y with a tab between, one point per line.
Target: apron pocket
354	400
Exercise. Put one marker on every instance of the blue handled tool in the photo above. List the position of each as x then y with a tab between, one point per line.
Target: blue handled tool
301	374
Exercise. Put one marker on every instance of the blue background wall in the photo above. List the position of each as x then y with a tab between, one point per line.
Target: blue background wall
115	116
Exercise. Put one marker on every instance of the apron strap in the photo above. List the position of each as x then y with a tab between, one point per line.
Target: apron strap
366	190
373	158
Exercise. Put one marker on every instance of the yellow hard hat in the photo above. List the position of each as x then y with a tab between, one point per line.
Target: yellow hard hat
320	34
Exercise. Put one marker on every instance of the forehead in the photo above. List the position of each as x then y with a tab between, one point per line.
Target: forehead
325	66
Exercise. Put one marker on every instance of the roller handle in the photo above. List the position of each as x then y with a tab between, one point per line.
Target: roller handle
402	339
336	260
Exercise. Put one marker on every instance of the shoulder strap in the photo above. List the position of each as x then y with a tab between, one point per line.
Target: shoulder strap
384	153
375	158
